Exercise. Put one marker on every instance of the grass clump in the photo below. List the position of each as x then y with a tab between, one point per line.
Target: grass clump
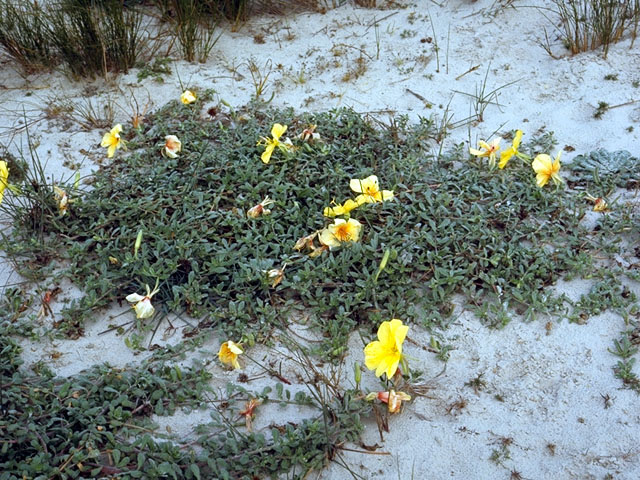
25	35
590	24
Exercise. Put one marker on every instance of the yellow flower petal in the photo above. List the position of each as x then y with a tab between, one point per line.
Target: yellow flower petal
266	155
4	178
278	130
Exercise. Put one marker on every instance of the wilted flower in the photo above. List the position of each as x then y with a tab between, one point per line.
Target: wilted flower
275	275
228	354
271	143
187	97
172	145
4	178
309	134
62	198
370	190
307	243
112	140
258	210
340	232
490	150
392	398
547	169
143	306
247	413
384	355
599	204
512	151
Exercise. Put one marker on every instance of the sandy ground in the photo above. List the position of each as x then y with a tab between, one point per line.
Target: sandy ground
543	405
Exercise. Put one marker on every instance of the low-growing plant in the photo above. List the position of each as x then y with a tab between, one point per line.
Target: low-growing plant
444	233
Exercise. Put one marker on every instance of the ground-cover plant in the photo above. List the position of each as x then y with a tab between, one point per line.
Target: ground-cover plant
590	24
97	423
492	235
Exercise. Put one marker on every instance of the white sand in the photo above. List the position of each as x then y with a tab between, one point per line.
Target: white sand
552	382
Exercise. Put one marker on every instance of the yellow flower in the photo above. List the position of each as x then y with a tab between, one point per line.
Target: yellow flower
143	307
4	177
547	169
62	199
512	151
228	354
172	145
393	399
271	143
345	208
112	140
187	97
257	210
384	355
370	190
340	232
489	150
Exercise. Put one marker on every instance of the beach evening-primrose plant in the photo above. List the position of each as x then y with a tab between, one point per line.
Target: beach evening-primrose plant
112	141
547	169
271	143
385	354
229	352
489	150
342	231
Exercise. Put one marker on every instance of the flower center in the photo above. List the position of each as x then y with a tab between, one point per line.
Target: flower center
343	232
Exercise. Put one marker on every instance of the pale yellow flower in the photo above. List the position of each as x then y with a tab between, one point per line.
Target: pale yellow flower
4	178
143	307
228	354
112	140
172	145
370	190
271	143
490	150
187	97
384	355
340	232
512	151
62	198
345	208
547	169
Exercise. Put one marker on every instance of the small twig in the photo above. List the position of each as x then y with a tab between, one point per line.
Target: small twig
363	451
472	69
